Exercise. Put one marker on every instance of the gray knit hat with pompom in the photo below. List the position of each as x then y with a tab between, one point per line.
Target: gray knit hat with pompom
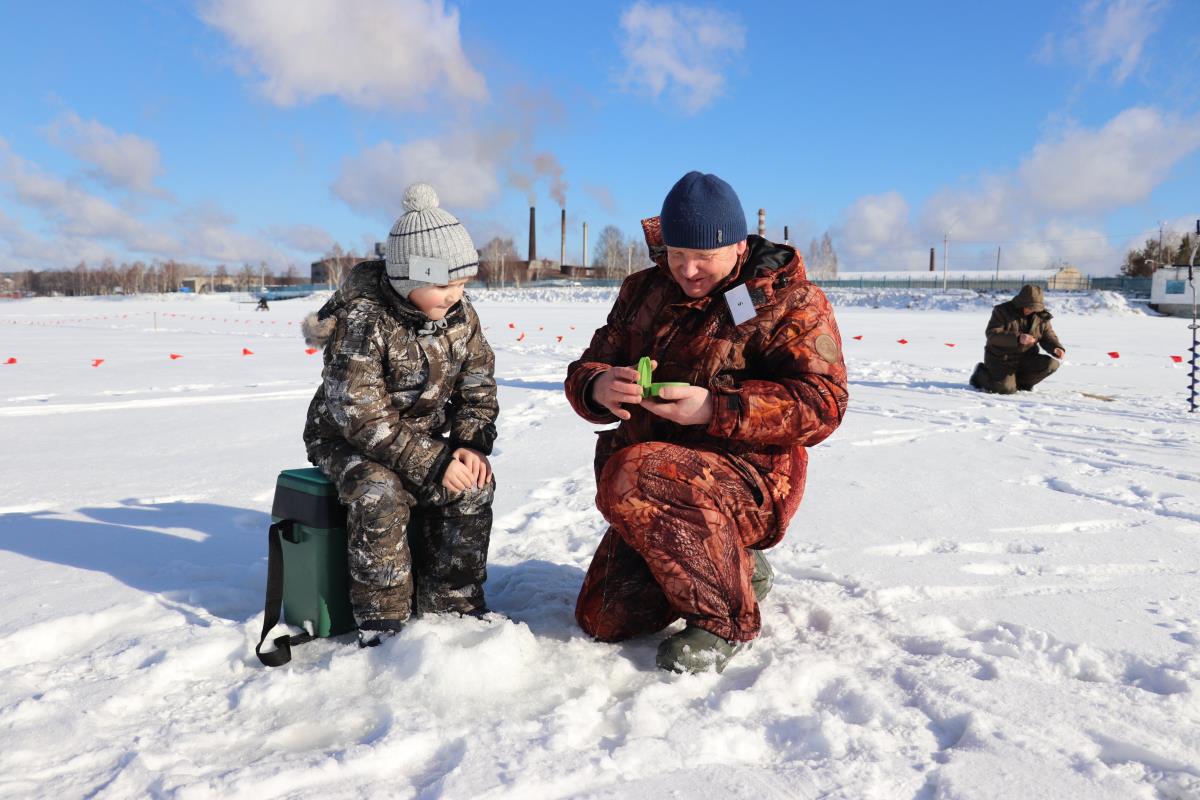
427	245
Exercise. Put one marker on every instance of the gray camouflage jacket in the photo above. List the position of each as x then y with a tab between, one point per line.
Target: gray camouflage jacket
394	385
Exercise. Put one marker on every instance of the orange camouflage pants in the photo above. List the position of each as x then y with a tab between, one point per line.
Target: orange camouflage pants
680	522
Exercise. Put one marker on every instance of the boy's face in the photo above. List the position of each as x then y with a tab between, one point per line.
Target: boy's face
436	301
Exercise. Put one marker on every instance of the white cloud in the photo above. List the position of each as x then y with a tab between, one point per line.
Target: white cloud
303	237
1110	32
80	225
1050	207
1118	164
876	224
76	212
120	160
464	170
679	50
370	53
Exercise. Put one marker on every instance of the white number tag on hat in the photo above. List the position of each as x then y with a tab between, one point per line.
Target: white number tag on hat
430	270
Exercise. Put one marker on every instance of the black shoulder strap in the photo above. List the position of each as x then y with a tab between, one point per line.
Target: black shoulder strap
282	653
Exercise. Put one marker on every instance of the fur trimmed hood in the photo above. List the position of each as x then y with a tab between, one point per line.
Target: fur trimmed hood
317	331
367	282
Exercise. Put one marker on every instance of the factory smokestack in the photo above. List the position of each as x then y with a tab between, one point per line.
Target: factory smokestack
532	233
562	257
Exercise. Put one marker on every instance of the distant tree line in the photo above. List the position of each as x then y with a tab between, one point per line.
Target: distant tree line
136	278
1173	249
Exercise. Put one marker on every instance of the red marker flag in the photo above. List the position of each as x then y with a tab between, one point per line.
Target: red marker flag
521	337
175	356
559	338
1177	359
246	351
97	362
902	341
1114	354
512	325
310	350
11	360
949	344
857	338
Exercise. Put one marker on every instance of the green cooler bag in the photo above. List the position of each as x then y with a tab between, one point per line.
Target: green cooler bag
306	565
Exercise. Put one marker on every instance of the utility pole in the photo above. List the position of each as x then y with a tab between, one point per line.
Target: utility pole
997	262
629	262
945	258
584	262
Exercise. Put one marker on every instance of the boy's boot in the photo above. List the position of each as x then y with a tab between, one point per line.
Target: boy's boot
372	632
695	650
763	578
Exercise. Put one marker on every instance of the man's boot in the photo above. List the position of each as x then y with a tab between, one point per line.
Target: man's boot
764	576
695	650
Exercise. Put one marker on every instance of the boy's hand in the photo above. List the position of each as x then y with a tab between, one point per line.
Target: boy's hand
458	477
615	388
1026	339
685	405
476	462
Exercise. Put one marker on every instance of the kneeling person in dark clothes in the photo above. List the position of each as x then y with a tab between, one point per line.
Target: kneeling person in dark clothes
1010	359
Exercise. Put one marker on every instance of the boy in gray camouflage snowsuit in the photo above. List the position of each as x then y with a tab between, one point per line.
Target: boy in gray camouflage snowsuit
404	421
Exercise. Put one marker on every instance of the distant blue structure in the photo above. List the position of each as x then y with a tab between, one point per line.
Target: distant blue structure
271	293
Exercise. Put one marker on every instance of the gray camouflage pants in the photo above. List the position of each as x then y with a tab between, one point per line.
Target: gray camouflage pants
411	550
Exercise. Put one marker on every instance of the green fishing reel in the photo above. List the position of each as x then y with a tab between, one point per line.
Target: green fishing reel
649	388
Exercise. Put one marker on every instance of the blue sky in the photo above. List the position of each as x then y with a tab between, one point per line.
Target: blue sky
231	131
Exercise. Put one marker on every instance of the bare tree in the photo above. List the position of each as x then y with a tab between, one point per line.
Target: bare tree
498	263
613	253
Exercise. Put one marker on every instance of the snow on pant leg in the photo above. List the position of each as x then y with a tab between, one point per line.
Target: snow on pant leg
377	515
449	538
690	514
620	598
1033	369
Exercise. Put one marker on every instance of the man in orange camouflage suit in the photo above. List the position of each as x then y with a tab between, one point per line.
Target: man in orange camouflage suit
695	483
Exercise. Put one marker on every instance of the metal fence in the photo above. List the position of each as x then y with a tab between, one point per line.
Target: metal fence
1132	287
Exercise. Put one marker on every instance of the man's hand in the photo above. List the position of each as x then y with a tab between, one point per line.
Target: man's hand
684	405
458	477
476	462
617	387
1026	339
1059	353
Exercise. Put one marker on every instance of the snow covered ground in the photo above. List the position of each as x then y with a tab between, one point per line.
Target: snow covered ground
981	597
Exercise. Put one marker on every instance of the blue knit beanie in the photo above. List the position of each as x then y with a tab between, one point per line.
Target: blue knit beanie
702	212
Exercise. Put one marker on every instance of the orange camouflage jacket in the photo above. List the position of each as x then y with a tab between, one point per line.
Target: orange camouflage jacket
778	380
